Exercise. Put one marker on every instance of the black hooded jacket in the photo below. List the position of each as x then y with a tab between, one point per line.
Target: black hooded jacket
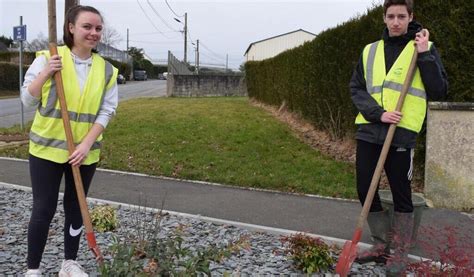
432	74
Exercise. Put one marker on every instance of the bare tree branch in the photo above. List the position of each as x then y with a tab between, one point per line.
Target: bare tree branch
39	43
110	36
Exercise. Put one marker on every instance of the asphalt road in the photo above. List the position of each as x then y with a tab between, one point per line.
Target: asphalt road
10	109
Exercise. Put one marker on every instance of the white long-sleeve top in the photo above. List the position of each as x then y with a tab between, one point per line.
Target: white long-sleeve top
109	105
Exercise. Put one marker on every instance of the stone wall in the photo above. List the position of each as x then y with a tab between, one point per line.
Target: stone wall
206	85
449	170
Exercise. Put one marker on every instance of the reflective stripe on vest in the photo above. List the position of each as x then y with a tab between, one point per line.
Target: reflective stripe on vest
386	88
56	143
47	136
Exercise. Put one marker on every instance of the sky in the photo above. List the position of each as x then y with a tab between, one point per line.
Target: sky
223	27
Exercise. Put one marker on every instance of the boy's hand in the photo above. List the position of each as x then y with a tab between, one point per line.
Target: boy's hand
391	117
421	41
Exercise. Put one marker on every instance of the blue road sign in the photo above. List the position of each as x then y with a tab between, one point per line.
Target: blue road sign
19	33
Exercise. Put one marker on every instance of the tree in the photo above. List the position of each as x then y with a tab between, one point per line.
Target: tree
69	4
136	53
137	57
139	61
110	36
242	67
6	41
39	43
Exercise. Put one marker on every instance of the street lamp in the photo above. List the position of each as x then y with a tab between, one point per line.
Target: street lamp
185	34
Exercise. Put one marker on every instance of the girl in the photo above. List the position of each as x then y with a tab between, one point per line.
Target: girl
91	94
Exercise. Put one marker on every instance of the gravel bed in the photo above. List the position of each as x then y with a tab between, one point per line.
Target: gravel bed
263	257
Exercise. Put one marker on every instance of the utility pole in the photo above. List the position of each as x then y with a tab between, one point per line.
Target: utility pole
127	40
21	77
197	56
185	37
170	71
226	62
195	59
126	54
70	3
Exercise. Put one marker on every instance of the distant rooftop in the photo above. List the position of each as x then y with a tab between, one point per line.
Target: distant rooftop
299	30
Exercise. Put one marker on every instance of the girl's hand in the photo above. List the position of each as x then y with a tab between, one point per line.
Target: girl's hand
421	41
391	117
54	65
79	155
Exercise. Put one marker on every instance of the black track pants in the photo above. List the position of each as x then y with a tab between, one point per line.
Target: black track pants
398	168
45	180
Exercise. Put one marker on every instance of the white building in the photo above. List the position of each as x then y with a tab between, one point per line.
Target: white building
270	47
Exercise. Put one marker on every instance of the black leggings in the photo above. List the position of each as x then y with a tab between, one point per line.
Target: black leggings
399	170
45	180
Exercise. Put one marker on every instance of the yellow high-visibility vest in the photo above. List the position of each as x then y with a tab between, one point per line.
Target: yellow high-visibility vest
47	135
386	88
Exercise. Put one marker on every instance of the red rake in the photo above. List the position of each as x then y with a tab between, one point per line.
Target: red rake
69	138
349	251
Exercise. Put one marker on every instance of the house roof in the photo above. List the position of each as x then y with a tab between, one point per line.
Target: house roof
248	48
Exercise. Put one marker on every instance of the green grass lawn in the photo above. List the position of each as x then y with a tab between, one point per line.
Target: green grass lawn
223	140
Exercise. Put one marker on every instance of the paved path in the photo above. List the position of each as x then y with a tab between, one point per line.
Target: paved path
317	215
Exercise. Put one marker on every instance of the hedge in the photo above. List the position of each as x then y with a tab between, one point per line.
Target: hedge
28	57
9	76
313	79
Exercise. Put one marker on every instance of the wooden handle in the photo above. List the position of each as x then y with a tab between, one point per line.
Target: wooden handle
81	196
53	38
386	146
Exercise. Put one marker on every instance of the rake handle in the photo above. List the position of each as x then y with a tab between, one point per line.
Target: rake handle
69	137
386	146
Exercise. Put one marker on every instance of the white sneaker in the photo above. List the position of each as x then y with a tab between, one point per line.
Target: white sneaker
71	268
33	273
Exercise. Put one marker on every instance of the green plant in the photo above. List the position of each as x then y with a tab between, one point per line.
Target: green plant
309	254
147	251
124	261
176	258
104	218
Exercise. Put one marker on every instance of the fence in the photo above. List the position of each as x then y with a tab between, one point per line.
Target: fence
108	51
176	67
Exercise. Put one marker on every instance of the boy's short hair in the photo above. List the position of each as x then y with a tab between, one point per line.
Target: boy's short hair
407	3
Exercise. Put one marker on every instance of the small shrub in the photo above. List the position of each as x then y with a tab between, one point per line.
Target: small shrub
309	254
124	261
146	251
104	218
450	250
